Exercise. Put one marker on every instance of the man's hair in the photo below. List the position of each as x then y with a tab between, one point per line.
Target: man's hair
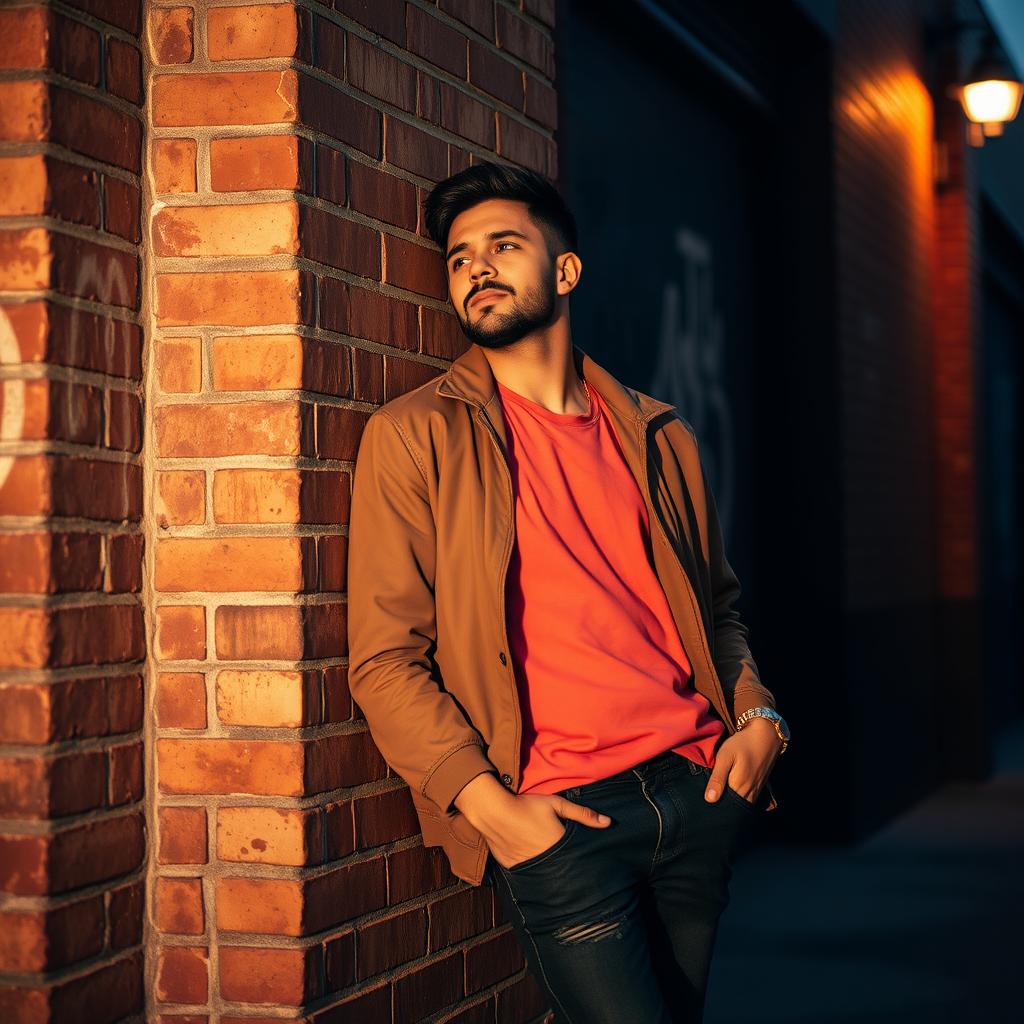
489	180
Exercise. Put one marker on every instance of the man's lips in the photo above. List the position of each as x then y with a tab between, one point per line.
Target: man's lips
487	293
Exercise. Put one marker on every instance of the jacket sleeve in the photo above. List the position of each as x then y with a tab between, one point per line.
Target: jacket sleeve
417	725
734	663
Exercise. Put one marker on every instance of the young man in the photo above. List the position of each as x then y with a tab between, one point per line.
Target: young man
541	627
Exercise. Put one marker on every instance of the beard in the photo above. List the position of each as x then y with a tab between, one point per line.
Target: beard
536	310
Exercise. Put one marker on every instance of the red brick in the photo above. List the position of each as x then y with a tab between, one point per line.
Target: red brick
378	73
250	229
179	365
244	33
386	17
179	906
170	33
525	41
242	97
243	428
414	267
429	37
124	71
285	977
126	14
285	564
236	298
339	242
495	74
341	116
182	835
522	144
124	774
476	15
384	817
493	960
426	990
124	563
174	165
46	940
74	49
269	835
379	194
266	767
392	941
181	632
181	700
541	102
459	916
89	126
414	150
465	116
182	974
52	787
121	208
330	48
261	162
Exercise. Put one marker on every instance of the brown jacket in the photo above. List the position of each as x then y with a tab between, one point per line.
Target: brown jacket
431	531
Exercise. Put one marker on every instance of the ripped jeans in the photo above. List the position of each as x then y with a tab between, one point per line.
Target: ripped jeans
617	924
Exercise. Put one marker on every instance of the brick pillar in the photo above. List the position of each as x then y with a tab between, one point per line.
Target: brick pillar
72	644
961	706
294	291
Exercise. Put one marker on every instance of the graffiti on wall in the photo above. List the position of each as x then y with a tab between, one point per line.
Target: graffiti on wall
690	368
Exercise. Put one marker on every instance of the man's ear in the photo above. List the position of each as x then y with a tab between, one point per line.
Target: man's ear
567	272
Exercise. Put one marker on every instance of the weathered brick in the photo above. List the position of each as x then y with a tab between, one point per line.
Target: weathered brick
179	906
174	165
181	632
256	428
46	186
52	787
35	940
252	229
269	835
179	365
465	116
257	564
182	974
384	817
181	700
235	298
261	162
522	144
124	774
285	977
272	768
180	498
241	97
424	991
182	835
414	150
171	35
492	960
341	116
476	15
339	242
274	699
458	916
243	33
280	496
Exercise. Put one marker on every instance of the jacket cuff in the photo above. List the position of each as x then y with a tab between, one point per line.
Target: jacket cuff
461	766
748	698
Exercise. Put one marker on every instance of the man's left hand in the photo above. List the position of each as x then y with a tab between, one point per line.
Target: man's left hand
744	760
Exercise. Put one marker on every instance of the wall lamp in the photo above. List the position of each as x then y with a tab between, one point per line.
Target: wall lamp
990	93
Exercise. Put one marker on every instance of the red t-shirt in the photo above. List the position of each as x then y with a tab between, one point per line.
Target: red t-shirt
604	682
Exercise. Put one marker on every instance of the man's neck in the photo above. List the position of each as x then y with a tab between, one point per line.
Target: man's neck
543	371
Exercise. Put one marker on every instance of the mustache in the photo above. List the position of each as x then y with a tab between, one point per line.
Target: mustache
484	288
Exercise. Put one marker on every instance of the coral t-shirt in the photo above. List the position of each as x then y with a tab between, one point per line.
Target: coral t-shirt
604	682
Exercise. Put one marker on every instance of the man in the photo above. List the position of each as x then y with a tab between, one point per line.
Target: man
541	627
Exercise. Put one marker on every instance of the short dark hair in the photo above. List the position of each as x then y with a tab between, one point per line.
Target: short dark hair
488	180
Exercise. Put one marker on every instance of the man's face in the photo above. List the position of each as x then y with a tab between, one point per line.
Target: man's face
500	275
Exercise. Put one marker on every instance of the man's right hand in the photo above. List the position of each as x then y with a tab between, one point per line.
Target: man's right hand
517	828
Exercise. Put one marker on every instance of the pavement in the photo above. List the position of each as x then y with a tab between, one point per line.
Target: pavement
921	921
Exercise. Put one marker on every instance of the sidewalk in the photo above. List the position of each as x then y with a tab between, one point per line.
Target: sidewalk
923	921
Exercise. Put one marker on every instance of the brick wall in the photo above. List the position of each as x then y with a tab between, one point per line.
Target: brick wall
293	291
72	848
173	532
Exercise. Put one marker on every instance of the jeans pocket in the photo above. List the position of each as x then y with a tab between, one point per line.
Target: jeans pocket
539	858
737	798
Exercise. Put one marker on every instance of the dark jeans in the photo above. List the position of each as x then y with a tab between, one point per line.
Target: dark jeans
618	923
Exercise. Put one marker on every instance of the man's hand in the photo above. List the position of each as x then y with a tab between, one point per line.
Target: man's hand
744	760
517	828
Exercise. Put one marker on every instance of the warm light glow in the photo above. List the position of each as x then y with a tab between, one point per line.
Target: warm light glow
991	101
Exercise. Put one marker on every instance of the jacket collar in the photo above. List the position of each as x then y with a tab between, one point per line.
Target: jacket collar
470	378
